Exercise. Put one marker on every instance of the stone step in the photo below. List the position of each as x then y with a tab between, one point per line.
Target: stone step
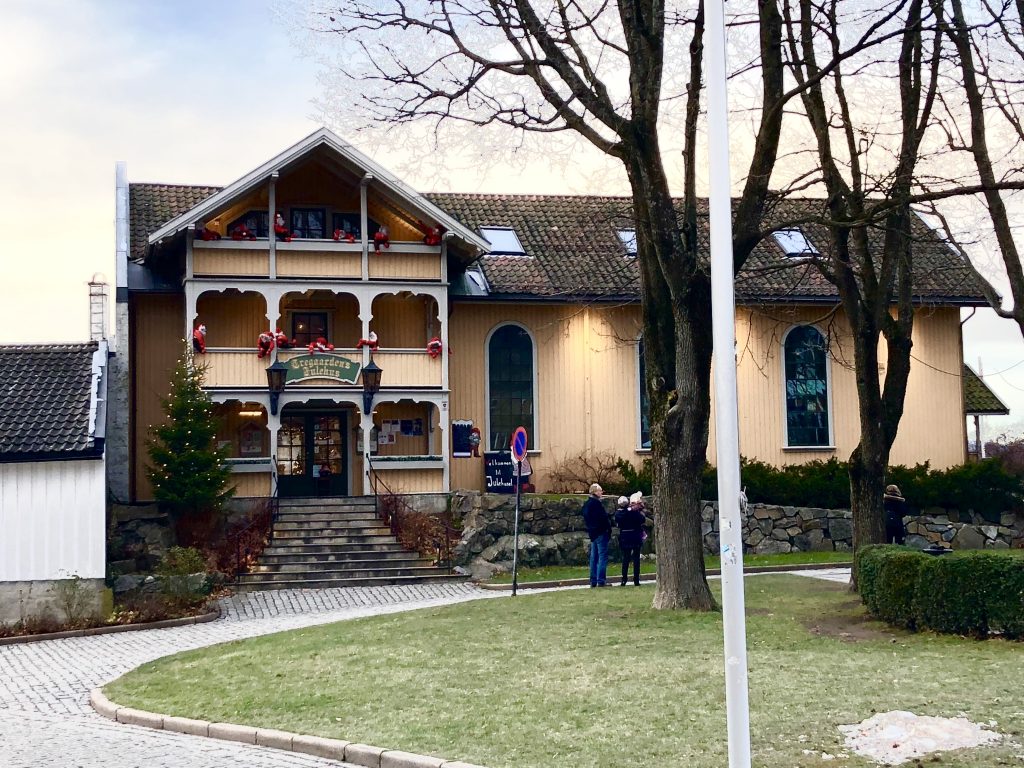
357	569
291	548
297	555
342	526
327	517
327	583
351	502
312	538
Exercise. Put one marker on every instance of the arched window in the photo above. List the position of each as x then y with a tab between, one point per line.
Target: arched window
644	402
510	382
807	397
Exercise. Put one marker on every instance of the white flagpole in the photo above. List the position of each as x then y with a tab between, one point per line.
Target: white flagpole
723	310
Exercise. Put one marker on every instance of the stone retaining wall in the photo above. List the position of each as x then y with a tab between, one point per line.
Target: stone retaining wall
551	530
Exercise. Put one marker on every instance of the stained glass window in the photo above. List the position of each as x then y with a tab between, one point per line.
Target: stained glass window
807	422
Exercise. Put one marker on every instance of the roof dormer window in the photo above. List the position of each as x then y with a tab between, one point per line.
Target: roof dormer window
628	239
503	240
794	242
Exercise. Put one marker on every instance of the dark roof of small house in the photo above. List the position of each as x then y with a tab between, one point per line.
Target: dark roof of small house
150	206
978	398
46	401
573	249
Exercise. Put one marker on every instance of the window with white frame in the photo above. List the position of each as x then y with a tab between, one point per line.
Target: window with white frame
504	241
794	242
643	401
806	380
510	386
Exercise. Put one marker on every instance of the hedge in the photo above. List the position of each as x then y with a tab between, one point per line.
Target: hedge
964	593
985	487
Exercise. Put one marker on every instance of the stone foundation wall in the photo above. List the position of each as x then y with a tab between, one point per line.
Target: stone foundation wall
86	599
551	530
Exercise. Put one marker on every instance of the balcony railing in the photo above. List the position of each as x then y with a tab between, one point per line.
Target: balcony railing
232	367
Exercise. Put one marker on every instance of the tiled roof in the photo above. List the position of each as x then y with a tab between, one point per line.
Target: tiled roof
574	251
978	398
152	205
46	399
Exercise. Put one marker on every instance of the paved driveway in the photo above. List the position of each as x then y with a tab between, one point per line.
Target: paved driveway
45	718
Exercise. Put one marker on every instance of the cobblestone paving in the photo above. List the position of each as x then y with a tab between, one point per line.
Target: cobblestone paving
45	718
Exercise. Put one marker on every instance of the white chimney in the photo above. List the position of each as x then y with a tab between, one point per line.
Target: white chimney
98	307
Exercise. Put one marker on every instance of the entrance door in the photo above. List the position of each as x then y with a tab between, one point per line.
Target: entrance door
312	455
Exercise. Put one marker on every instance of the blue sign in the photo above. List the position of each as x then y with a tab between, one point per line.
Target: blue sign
519	442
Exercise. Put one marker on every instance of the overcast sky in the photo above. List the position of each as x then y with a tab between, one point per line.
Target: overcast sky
200	92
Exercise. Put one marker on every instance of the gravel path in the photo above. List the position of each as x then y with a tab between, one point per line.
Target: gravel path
45	718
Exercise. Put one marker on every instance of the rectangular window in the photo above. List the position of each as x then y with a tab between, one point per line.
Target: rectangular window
307	327
309	222
348	224
628	239
254	221
645	403
794	242
503	240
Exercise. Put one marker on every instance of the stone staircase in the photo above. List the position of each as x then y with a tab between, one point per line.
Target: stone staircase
336	542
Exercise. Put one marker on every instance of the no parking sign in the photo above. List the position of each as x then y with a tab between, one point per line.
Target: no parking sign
519	442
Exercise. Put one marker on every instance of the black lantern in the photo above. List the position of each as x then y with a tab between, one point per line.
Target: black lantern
371	384
276	374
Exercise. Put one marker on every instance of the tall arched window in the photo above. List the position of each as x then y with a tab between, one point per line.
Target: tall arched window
510	381
807	398
645	404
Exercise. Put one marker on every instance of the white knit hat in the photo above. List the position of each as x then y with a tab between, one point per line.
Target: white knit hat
623	501
637	498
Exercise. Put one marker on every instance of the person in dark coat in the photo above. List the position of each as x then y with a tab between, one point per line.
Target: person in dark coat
895	510
599	529
630	518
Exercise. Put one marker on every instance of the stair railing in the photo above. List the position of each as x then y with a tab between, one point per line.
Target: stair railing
264	519
430	535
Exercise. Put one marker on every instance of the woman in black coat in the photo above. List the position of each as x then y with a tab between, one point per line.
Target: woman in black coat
630	520
895	508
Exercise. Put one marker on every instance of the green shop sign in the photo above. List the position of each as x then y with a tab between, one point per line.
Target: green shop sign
322	366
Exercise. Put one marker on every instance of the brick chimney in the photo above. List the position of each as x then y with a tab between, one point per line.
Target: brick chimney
98	307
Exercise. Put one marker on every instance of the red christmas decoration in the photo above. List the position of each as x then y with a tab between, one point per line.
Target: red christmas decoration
381	239
320	345
434	347
340	234
241	232
431	235
370	342
283	342
208	234
281	232
199	339
265	344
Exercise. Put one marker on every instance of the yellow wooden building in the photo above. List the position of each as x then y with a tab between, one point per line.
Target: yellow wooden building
490	312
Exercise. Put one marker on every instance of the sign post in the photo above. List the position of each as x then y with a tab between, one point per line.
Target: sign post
519	443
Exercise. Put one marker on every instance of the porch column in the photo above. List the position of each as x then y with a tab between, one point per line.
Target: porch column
365	316
364	225
442	318
191	297
366	426
442	435
273	426
272	299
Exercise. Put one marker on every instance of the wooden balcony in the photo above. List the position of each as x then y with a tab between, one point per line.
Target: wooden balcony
315	259
229	368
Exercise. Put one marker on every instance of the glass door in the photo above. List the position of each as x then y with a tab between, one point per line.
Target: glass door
311	455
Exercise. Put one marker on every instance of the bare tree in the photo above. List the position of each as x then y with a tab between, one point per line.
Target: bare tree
597	70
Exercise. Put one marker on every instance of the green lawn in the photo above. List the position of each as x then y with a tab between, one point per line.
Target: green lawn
568	572
594	678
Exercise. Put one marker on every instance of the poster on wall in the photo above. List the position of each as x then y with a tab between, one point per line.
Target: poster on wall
250	440
461	448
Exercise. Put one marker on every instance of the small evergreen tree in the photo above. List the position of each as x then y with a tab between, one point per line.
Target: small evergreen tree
188	471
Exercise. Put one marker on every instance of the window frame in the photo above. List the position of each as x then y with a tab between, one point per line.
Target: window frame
306	210
789	234
628	237
354	216
532	430
262	215
503	252
640	390
327	313
786	446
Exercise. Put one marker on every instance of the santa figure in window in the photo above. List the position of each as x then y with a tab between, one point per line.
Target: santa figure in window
341	235
431	235
283	342
370	342
320	345
199	339
281	232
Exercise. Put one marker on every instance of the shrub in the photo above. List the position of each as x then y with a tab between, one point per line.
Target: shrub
896	584
575	474
866	563
178	580
633	479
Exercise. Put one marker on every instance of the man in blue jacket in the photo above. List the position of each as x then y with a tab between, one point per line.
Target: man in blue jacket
599	529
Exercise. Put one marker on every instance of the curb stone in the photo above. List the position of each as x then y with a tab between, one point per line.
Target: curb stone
164	624
651	577
335	749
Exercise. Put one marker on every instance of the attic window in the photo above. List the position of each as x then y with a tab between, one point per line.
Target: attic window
503	240
628	238
794	242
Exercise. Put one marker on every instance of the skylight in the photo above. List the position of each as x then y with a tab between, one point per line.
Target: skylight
503	240
794	242
628	238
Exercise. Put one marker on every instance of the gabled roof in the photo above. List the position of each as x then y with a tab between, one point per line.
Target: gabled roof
979	400
574	251
326	138
51	401
150	206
